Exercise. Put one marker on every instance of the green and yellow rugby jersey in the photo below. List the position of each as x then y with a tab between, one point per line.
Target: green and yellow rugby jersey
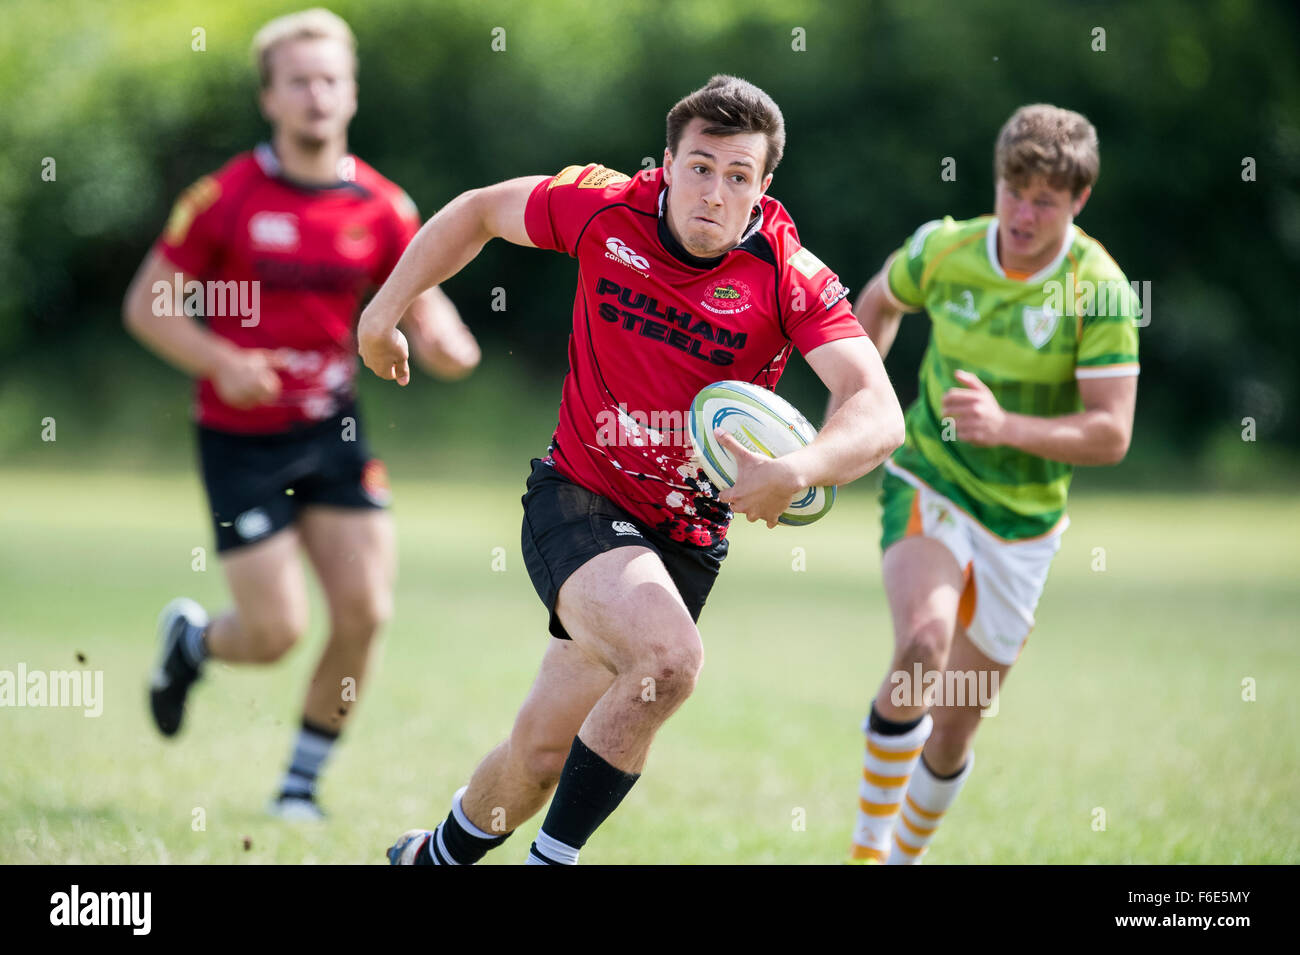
1029	341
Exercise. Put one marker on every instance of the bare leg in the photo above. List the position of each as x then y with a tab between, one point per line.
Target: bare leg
633	660
354	554
270	594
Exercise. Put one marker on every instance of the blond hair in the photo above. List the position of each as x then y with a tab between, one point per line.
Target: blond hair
314	24
1042	140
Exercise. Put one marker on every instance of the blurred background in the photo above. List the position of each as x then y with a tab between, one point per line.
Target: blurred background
1182	95
1161	677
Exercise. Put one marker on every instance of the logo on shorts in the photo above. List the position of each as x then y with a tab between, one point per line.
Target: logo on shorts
941	514
374	483
252	524
625	529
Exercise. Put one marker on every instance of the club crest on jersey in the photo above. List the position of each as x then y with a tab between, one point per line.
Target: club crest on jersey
726	297
1040	324
274	231
355	241
966	308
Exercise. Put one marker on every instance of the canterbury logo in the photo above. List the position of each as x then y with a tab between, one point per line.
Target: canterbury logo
619	250
623	528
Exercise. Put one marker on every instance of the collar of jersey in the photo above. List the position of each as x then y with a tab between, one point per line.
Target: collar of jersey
991	240
678	251
269	163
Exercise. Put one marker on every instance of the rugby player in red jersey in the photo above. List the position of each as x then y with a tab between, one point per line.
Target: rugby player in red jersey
280	246
687	274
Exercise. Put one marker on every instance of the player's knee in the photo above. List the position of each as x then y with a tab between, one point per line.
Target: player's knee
273	636
927	642
669	670
361	615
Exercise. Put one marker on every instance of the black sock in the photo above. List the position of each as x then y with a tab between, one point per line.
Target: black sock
589	790
452	843
878	724
457	841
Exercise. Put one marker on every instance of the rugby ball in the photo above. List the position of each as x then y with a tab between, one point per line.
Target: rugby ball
761	421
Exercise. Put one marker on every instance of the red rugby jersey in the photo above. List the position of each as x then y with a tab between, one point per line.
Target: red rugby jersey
313	251
653	324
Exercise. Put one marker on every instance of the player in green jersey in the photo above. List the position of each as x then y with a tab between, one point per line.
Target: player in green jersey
1031	369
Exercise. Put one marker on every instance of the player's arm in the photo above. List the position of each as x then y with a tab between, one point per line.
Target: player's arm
243	377
443	246
1098	435
879	311
865	430
880	314
441	343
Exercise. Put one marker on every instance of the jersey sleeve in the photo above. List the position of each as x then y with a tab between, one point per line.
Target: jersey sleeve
559	208
1108	338
404	223
906	269
192	238
818	307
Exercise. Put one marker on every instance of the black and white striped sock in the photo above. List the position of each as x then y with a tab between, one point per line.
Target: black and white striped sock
457	841
310	751
550	851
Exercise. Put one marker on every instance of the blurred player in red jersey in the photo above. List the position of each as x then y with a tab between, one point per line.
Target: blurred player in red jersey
686	275
279	247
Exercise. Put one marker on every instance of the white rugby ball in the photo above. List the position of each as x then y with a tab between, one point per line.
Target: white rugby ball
761	421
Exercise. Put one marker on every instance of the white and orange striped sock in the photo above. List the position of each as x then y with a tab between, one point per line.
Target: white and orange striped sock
928	798
886	766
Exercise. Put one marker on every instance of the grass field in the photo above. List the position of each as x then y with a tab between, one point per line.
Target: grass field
1128	698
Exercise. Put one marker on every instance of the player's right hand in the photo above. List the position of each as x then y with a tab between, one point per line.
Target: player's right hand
383	349
246	378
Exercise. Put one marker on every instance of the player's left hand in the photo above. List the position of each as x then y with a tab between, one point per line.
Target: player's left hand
764	486
978	417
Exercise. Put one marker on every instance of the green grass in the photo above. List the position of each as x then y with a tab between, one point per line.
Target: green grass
1128	697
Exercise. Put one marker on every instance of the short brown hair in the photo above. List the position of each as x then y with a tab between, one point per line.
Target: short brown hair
314	24
730	106
1041	140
